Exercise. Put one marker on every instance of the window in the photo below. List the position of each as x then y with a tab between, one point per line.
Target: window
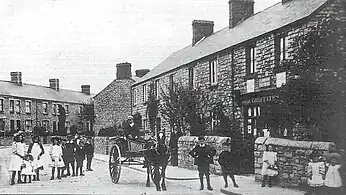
45	107
67	126
80	110
251	60
28	125
54	109
17	106
281	48
171	82
135	96
45	124
54	126
1	105
250	86
280	79
214	121
18	125
213	72
12	106
66	109
27	106
145	123
157	86
2	125
58	109
12	125
145	93
252	124
192	78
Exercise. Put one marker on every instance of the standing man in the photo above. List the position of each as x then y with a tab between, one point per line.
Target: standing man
227	161
69	155
131	129
203	155
89	151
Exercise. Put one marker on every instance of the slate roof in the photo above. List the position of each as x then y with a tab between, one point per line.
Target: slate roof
268	20
31	91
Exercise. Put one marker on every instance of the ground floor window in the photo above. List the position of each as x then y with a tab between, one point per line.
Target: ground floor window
28	125
18	125
2	125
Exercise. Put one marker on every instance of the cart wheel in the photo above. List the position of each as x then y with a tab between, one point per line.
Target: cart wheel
115	163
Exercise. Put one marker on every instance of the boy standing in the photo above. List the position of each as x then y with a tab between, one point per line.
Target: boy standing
89	151
203	155
227	162
69	155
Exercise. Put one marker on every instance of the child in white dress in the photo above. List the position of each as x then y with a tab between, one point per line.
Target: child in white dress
18	153
333	180
316	172
36	150
55	152
28	167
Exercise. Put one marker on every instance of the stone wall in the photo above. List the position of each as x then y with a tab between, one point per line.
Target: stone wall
293	158
101	145
187	143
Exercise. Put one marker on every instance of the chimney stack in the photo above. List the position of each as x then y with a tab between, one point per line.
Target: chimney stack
239	10
86	89
141	72
16	77
200	29
54	84
124	71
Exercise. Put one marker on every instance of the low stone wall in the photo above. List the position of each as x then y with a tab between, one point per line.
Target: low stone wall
187	143
101	145
293	158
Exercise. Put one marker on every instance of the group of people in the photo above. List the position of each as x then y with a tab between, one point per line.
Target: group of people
324	172
63	153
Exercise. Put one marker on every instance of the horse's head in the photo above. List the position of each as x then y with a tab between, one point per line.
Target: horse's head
161	137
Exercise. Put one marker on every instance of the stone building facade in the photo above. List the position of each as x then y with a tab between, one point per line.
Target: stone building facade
24	106
241	64
113	104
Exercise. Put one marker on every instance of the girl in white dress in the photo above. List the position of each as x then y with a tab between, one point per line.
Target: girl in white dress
316	172
36	150
269	168
28	169
18	152
333	180
55	152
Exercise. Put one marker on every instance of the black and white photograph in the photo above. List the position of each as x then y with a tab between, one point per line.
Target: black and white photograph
173	97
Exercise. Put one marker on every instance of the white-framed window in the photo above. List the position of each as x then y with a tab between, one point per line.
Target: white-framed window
28	125
17	106
134	93
192	77
11	106
157	88
67	109
145	93
214	121
55	109
281	47
67	126
28	106
250	86
213	71
45	107
45	124
251	60
280	79
1	105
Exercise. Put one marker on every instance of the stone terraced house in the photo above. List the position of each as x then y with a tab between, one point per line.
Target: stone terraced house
239	64
24	106
112	105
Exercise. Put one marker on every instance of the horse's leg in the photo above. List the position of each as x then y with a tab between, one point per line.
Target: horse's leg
163	175
157	177
148	175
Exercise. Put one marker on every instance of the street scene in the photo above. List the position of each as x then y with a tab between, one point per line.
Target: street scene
241	97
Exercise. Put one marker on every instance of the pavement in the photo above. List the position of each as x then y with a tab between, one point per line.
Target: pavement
247	184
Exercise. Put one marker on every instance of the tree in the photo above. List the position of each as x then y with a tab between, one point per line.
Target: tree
62	121
88	114
185	108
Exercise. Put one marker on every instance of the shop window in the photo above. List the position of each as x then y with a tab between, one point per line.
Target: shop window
280	79
250	86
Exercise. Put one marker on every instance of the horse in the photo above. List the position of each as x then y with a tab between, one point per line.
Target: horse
156	160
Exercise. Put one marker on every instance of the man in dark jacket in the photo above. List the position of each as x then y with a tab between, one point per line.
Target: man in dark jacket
80	157
89	151
203	155
227	162
68	152
131	129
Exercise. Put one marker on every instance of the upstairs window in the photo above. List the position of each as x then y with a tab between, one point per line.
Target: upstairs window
12	106
54	109
28	106
1	105
80	110
171	82
135	96
67	109
45	107
281	48
145	93
192	78
213	72
28	125
251	63
157	88
17	106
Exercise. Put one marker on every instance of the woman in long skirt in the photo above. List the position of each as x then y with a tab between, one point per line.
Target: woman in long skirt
18	153
36	150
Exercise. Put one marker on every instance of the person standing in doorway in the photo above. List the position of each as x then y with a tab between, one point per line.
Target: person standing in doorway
203	155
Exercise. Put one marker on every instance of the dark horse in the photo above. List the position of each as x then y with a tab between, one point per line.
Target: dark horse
156	161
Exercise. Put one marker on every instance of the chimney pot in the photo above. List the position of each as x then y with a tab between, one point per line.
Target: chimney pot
54	84
124	71
200	29
16	77
141	72
86	89
239	10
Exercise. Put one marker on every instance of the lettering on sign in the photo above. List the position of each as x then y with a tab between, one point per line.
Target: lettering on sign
264	99
264	82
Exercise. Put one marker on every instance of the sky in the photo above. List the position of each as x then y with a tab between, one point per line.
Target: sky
81	41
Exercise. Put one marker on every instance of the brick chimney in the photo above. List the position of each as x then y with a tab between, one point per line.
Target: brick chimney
16	77
141	72
86	89
239	10
54	84
124	71
200	29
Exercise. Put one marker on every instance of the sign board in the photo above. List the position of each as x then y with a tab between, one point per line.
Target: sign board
264	82
263	99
